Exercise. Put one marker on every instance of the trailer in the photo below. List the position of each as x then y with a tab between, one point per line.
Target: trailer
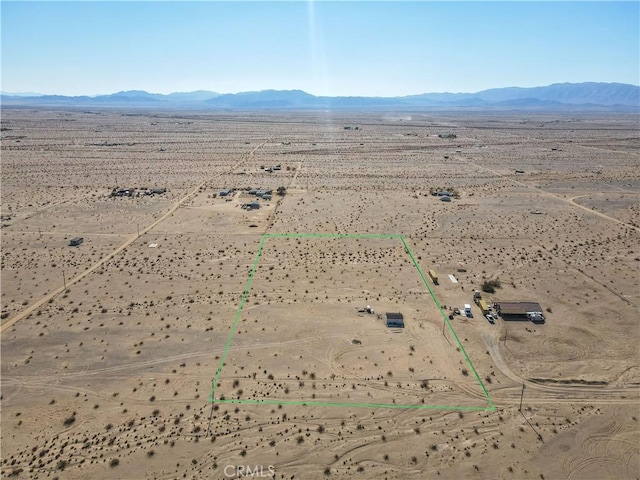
434	277
74	242
483	306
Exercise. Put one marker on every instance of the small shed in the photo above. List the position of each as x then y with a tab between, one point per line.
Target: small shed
395	320
74	242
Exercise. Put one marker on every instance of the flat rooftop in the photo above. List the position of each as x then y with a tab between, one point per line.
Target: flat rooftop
518	308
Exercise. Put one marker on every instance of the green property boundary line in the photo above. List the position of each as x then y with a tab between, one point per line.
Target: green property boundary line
247	288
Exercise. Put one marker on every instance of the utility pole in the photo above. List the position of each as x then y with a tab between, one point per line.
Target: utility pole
138	230
64	280
521	395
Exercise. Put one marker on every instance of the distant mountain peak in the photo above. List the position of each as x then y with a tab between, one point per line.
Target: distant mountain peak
132	92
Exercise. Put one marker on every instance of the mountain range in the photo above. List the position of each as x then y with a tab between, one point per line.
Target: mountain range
559	96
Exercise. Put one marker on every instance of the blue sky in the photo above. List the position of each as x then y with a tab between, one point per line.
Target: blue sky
323	47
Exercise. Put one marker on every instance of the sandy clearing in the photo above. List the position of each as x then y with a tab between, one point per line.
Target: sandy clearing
133	345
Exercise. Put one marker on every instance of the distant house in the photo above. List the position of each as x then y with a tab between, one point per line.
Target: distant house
262	193
74	242
395	320
251	206
121	192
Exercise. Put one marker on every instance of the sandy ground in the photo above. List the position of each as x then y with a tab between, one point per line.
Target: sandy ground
112	376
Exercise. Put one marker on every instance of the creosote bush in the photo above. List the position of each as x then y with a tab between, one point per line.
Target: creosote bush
489	286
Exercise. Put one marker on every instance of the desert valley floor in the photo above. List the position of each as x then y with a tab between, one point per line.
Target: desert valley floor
194	335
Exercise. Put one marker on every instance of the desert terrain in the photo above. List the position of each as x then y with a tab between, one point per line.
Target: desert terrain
192	336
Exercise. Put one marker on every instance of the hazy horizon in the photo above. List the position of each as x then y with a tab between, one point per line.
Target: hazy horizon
352	48
26	94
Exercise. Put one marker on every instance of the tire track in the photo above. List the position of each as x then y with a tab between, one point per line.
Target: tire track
559	394
569	201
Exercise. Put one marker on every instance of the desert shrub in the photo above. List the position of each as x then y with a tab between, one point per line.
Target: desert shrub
489	286
69	420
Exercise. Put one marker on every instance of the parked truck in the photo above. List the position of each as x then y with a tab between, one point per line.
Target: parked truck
477	299
483	306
